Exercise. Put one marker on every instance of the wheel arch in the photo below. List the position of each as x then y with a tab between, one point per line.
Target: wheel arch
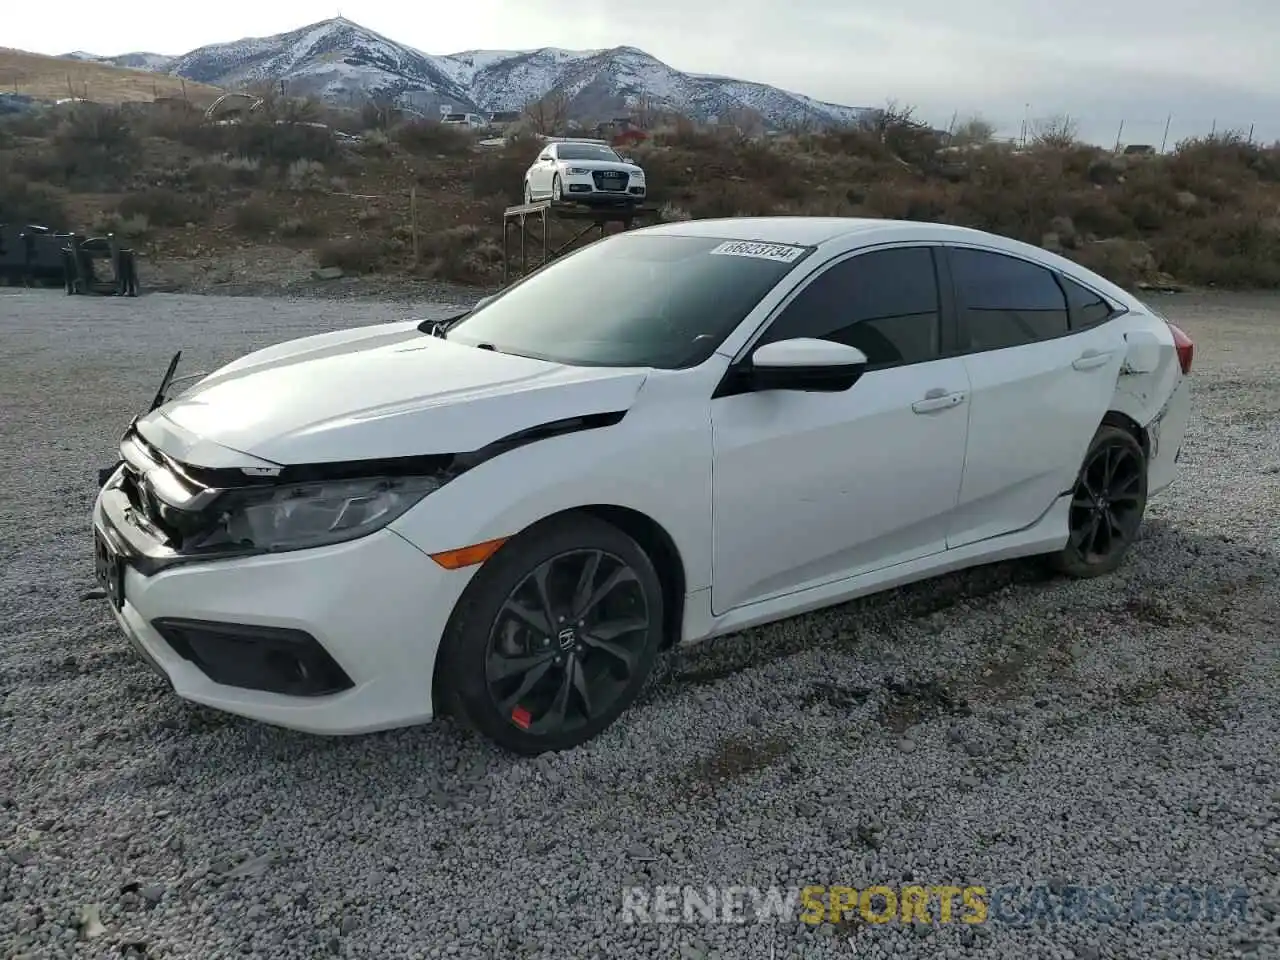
653	539
1118	418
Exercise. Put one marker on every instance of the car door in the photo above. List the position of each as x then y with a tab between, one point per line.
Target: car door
811	487
540	174
1040	388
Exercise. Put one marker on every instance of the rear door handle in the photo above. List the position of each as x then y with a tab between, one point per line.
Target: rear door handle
1092	358
938	399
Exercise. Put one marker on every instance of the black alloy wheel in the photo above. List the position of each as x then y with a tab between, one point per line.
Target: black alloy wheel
566	642
554	637
1107	504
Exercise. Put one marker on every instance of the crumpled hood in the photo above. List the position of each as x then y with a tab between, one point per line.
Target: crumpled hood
377	392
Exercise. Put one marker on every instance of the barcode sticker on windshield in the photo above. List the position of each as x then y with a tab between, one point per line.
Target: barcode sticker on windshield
781	252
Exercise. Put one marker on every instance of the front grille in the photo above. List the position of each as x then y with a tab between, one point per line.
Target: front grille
146	508
609	180
172	511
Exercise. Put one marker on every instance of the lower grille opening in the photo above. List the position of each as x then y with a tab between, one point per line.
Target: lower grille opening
269	659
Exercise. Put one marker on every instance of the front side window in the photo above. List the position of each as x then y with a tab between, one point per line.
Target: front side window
585	151
1004	301
884	302
637	299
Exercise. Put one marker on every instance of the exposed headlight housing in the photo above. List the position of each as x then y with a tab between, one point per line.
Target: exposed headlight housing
577	171
637	174
305	515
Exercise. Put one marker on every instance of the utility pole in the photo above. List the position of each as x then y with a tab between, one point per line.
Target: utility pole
1164	142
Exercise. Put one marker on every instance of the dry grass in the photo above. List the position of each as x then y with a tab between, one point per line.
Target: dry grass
1206	214
52	78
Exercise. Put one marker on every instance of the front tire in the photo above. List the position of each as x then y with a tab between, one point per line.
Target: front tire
557	189
528	193
554	637
1107	505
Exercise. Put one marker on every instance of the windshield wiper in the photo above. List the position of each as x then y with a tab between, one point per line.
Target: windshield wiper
440	328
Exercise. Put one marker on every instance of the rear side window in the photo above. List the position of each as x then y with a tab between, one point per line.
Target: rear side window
885	303
1087	308
1004	301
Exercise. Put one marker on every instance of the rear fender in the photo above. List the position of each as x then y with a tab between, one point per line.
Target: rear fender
1149	373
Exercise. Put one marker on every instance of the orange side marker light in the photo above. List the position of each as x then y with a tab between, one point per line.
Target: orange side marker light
468	556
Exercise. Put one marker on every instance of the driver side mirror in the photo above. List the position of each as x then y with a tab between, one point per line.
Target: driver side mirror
806	364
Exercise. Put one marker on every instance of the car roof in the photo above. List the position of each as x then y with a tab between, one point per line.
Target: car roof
813	231
867	231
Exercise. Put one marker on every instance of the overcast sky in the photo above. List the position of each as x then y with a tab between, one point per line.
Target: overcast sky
1101	61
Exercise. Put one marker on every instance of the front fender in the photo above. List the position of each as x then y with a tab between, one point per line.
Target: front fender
656	461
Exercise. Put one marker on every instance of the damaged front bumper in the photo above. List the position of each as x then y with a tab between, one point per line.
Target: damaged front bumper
334	639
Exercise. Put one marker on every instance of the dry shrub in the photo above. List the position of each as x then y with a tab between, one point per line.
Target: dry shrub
23	203
1229	249
429	137
92	148
730	198
500	172
224	173
305	176
132	227
165	208
353	254
259	138
254	218
376	144
462	254
32	123
906	201
299	228
1123	262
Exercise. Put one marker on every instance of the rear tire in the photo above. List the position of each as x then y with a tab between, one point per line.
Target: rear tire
1107	505
554	637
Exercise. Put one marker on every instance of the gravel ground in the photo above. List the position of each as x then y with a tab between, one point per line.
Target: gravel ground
995	727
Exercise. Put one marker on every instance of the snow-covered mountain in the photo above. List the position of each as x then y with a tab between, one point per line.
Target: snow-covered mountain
343	63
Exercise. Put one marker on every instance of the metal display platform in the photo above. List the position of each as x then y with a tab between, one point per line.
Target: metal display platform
582	221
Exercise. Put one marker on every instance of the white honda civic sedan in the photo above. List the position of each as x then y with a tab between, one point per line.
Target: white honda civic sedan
671	434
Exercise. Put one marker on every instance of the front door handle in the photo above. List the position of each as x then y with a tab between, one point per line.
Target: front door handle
938	399
1092	358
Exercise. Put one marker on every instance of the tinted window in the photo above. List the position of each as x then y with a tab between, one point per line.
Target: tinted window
1087	308
1006	302
585	151
884	303
631	300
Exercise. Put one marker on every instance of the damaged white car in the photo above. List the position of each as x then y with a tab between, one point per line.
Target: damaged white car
671	434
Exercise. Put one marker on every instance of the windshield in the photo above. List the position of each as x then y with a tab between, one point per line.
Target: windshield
640	300
585	151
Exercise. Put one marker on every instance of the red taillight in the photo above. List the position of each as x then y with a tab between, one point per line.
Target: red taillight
1186	349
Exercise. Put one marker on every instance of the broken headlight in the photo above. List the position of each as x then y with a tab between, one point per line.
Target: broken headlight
303	515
